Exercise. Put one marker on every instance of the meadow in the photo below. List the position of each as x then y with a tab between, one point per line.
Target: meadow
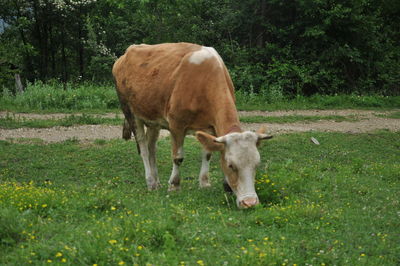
86	203
73	203
93	98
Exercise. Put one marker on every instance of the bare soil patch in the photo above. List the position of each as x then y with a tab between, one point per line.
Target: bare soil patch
369	123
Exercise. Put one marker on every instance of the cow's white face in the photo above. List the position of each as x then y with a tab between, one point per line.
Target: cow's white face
239	160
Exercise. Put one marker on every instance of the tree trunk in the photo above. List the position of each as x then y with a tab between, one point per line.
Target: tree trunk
260	28
52	52
18	84
80	52
39	38
28	60
64	59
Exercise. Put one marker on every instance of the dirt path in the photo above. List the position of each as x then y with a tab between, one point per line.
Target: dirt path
369	121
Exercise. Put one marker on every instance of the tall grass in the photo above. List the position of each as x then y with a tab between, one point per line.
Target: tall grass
259	101
52	96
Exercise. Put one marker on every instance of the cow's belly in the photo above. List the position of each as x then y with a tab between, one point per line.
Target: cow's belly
162	123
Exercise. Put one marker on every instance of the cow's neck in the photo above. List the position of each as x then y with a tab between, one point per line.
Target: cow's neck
227	120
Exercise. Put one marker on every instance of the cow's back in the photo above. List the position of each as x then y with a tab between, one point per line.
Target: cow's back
144	76
182	85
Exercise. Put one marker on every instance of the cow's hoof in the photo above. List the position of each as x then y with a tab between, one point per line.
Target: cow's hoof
205	185
153	186
173	187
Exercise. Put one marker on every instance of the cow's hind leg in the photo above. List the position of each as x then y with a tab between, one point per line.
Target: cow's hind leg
205	165
152	134
177	139
142	140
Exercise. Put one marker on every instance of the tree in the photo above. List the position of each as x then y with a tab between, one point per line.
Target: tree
270	46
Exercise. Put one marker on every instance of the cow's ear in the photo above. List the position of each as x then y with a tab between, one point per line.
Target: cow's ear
209	142
261	135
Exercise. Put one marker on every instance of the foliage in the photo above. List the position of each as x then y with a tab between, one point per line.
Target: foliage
273	100
52	96
88	204
298	48
78	97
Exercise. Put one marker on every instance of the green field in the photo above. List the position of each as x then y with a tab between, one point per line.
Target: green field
13	121
86	203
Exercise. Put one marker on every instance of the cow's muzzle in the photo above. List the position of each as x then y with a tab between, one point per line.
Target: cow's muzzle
248	203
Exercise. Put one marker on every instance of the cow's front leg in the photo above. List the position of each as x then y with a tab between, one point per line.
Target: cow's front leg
205	166
142	140
177	139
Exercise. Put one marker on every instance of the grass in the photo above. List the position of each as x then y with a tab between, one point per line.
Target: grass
72	203
87	97
13	122
51	97
253	101
395	115
297	118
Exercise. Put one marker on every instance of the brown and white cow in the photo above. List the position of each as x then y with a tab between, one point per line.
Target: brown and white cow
186	88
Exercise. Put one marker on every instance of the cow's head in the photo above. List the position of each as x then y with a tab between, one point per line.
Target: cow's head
239	160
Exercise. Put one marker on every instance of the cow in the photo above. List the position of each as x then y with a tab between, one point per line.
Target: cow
186	88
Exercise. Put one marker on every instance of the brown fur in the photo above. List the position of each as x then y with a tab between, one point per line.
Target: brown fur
158	83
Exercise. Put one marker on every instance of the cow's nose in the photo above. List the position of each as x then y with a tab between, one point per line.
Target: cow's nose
249	202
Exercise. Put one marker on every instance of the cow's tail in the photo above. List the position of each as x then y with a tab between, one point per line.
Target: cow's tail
129	127
126	130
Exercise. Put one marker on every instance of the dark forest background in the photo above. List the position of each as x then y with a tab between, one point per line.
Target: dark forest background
292	47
